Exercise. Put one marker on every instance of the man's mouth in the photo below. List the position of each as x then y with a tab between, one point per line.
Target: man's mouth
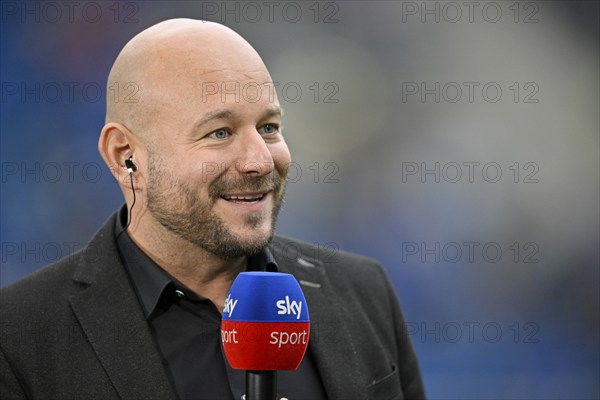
244	198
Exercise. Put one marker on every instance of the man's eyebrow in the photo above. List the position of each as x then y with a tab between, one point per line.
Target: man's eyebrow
217	114
271	111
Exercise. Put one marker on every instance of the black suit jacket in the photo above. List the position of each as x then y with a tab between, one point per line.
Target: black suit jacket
75	329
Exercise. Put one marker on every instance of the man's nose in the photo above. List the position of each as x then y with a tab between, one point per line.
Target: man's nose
255	156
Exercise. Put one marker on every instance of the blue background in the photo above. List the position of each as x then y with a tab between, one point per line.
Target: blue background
384	132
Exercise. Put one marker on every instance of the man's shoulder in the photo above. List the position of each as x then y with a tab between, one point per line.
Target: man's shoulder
340	265
39	297
52	285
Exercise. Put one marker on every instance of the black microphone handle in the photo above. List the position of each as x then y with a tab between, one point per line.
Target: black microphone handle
261	385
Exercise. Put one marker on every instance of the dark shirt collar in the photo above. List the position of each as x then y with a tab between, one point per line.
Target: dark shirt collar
153	284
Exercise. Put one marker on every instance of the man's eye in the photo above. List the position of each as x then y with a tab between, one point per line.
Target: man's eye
220	134
269	129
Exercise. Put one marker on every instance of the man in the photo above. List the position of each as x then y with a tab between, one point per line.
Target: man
136	314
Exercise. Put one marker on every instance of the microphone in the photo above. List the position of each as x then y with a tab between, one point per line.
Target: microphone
265	328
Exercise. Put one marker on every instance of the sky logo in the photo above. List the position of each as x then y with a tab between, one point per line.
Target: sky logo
288	307
229	305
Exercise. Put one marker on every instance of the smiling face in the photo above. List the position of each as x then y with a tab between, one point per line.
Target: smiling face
217	162
222	186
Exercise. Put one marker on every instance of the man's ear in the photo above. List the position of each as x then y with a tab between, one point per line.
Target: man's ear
116	144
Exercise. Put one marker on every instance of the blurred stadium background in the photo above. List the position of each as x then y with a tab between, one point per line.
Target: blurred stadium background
455	142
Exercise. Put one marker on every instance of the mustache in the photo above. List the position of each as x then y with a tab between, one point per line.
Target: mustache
263	183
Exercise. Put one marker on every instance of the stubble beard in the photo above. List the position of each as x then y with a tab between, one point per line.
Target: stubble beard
177	206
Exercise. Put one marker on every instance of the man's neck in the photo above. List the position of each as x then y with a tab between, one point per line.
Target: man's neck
204	273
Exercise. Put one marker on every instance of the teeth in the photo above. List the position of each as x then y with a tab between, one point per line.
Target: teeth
245	198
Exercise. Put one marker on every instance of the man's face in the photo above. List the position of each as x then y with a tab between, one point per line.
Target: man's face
218	165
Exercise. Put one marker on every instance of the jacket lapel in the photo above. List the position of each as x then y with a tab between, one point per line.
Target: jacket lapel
112	319
330	343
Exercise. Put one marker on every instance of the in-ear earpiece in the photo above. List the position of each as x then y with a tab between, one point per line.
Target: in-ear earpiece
130	165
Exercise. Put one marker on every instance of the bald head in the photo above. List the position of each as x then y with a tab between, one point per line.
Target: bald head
166	64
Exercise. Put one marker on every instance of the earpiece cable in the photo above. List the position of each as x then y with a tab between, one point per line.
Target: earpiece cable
130	208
